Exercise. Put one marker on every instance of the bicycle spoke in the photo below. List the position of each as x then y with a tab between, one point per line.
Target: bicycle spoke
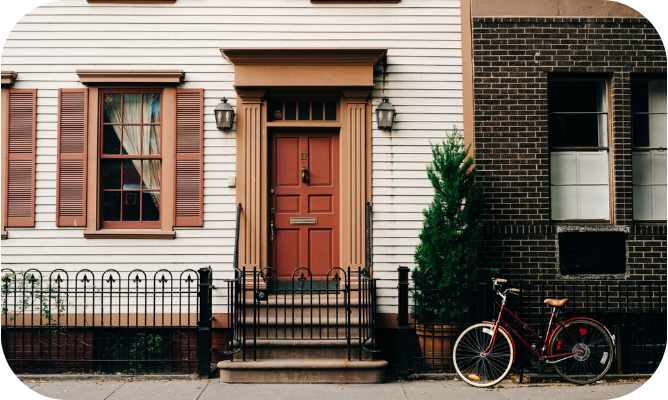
592	347
476	366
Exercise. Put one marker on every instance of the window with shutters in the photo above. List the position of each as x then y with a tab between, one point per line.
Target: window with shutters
131	159
130	155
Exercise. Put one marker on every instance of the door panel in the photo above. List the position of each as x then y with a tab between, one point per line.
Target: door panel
304	176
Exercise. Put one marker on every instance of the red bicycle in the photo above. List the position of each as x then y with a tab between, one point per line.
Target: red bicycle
581	349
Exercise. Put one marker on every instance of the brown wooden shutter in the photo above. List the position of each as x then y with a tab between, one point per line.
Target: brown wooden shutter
21	157
189	204
72	143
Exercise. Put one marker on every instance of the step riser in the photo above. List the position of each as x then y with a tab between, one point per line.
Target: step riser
289	332
299	313
311	375
300	353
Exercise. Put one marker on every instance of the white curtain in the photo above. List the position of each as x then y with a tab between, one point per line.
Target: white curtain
150	138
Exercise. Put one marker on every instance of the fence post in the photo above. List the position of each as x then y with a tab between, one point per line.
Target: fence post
481	289
402	334
204	326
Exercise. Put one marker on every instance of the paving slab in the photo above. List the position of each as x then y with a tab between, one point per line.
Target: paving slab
160	390
78	390
384	391
569	392
427	390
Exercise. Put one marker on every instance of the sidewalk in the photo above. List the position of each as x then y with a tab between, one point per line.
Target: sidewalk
209	389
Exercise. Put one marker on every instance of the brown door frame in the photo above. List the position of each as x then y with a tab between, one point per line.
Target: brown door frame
347	72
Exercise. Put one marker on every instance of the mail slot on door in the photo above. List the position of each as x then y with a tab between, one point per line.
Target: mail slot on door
304	221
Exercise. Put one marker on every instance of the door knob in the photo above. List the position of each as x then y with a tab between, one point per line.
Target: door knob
304	177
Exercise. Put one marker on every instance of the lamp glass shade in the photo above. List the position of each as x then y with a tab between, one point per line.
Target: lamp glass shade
224	115
385	114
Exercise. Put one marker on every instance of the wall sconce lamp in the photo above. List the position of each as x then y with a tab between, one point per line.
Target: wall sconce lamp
224	115
385	114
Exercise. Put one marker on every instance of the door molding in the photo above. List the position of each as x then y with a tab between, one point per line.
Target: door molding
348	72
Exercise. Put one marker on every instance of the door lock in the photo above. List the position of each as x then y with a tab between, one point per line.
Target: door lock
304	175
272	225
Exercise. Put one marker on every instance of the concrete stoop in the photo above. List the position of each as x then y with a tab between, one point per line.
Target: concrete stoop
302	371
302	339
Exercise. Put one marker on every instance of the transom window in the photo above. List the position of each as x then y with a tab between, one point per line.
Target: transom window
302	110
131	159
648	106
578	124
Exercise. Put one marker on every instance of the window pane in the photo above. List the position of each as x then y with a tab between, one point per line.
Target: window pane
577	95
151	108
276	110
304	110
594	202
131	206
564	201
290	110
151	174
111	142
657	130
151	140
131	108
330	110
112	108
578	130
131	139
563	168
131	177
592	167
111	206
317	111
657	96
640	130
151	206
659	201
111	174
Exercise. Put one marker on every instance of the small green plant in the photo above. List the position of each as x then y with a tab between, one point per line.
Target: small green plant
32	298
446	255
148	347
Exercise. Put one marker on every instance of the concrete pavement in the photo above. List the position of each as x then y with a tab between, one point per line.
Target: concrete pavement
207	389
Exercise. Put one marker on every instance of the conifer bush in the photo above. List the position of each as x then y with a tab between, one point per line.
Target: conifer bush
446	255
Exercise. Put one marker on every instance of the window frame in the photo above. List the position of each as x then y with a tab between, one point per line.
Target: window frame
129	224
94	226
608	148
643	149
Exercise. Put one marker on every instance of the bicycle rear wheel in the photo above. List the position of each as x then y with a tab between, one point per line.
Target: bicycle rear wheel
593	347
482	369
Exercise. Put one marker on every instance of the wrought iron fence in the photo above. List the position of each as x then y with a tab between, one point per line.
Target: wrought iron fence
85	322
634	312
340	307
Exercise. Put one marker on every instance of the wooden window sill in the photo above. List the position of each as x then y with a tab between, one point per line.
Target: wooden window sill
129	234
4	235
133	1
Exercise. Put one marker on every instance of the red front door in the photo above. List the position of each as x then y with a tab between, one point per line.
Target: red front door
304	178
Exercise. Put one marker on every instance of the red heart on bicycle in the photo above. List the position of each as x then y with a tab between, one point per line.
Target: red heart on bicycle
583	331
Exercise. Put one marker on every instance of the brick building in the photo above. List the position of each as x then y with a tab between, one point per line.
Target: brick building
570	140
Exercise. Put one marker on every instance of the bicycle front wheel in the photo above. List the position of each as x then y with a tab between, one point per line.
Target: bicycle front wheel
477	367
592	347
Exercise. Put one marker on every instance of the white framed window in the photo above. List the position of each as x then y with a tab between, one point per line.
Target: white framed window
648	106
579	148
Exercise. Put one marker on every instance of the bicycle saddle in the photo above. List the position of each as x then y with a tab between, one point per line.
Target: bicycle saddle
556	302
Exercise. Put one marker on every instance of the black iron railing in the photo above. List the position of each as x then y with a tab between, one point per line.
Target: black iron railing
108	322
635	313
341	307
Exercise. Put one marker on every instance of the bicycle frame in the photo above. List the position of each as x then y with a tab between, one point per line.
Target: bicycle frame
554	319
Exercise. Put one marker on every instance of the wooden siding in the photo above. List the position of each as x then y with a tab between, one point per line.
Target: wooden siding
423	82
